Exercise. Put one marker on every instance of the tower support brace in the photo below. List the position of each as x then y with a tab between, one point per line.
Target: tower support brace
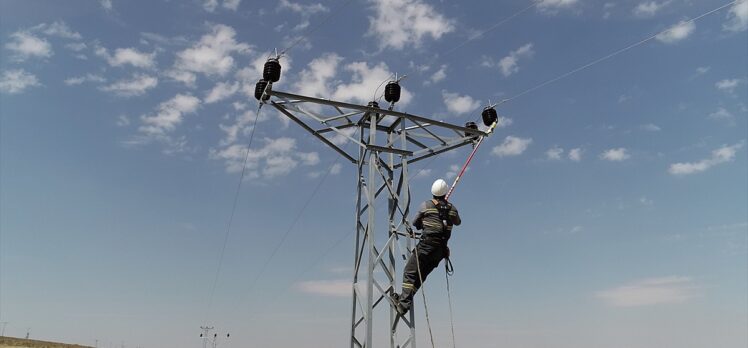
383	139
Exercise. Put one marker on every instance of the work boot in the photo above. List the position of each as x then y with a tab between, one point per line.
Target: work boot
395	298
404	302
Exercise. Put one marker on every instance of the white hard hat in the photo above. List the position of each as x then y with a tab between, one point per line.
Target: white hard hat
439	188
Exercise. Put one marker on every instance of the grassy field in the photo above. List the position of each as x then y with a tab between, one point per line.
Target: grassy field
10	342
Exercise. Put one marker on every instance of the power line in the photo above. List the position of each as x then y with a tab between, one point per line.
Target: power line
325	253
233	206
246	156
314	28
479	35
491	28
617	52
291	227
311	266
293	224
425	167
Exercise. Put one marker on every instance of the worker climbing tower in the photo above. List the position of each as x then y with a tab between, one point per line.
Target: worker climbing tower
387	142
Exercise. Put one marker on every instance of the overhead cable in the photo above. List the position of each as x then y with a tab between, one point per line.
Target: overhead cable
617	52
233	206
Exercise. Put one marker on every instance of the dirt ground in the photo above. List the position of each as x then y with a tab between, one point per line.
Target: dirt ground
10	342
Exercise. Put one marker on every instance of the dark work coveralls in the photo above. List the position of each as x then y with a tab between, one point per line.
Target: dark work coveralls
435	217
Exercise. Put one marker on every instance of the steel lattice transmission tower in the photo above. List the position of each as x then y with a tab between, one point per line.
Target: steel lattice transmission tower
387	142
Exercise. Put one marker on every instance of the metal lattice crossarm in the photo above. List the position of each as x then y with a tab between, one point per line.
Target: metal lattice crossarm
430	137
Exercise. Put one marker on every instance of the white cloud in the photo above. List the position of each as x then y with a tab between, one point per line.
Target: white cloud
76	46
135	86
422	173
364	82
649	8
221	91
16	81
737	17
169	115
106	5
512	146
459	104
615	155
315	80
723	115
239	106
646	201
575	154
452	172
703	70
554	153
651	127
58	29
504	122
399	23
241	126
332	288
232	5
128	56
728	85
437	76
301	8
149	38
309	158
278	157
509	64
647	292
211	5
554	5
132	57
336	169
25	45
74	81
677	32
340	139
212	54
305	11
185	77
722	155
607	9
123	121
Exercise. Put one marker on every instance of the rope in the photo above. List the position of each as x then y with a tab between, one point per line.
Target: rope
449	271
611	55
423	289
412	234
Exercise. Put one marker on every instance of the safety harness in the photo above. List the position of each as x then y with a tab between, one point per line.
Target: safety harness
443	207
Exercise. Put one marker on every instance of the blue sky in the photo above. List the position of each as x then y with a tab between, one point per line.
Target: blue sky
609	210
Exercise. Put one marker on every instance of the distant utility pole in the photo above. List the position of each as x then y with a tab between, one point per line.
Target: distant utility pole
28	331
205	334
207	338
2	329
